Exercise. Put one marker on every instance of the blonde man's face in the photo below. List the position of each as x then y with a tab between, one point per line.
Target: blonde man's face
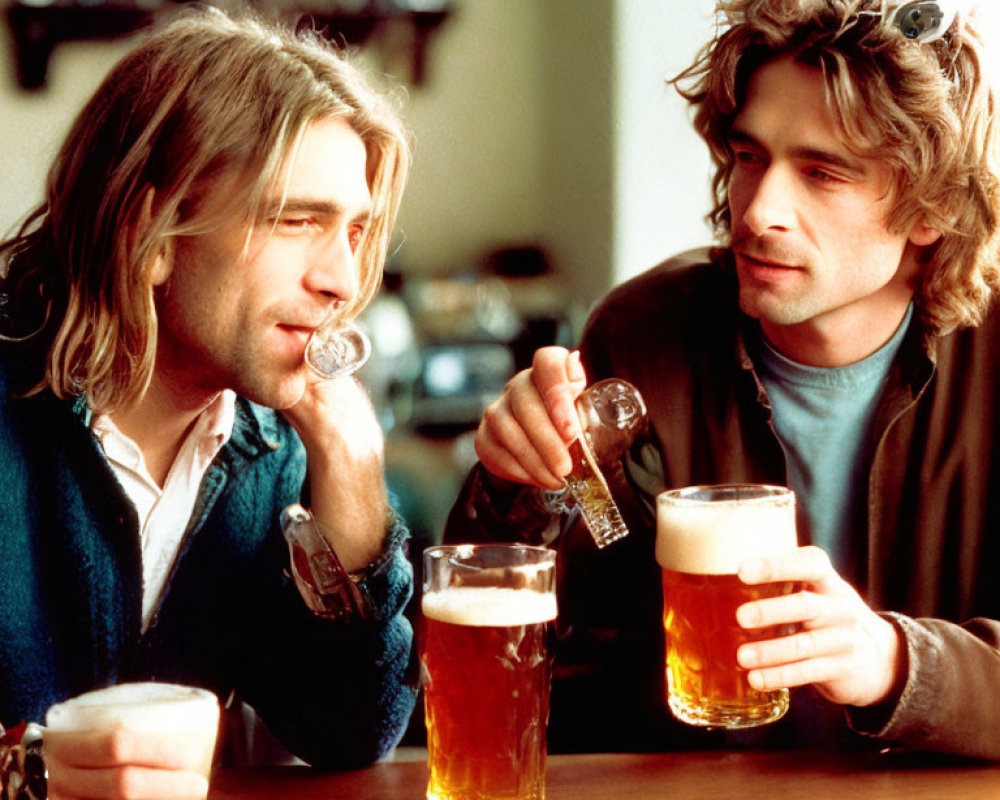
239	306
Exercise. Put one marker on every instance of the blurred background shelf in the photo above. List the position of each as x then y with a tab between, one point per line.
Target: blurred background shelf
39	26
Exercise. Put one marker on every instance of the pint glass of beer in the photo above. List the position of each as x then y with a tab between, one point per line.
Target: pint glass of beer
703	533
486	668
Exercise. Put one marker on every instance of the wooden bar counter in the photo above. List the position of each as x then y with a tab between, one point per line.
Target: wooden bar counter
786	775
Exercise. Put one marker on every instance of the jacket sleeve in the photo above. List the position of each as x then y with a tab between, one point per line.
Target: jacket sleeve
337	694
490	509
948	701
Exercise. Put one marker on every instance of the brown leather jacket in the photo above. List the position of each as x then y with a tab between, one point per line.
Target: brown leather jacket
933	515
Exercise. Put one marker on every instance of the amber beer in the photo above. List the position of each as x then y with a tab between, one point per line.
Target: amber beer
703	533
486	671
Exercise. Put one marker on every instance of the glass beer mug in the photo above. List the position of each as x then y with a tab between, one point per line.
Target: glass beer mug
182	720
486	666
611	412
703	533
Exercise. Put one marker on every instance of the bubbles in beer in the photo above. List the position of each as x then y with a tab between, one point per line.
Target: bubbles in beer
703	535
705	684
486	670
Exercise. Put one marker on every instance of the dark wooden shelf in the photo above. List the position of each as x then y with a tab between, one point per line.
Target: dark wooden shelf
37	29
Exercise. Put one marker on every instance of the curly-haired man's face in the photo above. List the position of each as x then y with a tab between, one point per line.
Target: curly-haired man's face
817	263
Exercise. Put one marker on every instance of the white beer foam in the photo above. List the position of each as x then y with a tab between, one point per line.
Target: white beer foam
155	707
714	538
493	606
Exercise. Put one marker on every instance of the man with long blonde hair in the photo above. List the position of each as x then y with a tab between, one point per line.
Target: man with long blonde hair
841	341
231	187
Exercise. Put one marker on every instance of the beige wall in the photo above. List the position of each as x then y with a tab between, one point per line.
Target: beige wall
35	123
476	179
578	142
540	121
661	167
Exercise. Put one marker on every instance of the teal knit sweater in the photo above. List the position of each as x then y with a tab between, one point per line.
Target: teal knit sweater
337	695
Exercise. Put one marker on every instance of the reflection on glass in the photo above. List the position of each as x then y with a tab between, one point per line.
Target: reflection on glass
338	349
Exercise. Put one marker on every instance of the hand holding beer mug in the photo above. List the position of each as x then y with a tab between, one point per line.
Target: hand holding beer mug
703	533
488	611
163	733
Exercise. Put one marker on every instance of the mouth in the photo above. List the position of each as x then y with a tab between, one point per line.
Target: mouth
288	326
296	335
763	260
762	268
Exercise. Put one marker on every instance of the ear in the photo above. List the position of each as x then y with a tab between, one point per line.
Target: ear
922	235
159	270
162	265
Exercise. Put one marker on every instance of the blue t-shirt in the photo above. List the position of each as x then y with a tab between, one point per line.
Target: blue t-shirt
823	417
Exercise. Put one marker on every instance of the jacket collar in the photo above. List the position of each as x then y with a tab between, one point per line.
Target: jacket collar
256	430
909	375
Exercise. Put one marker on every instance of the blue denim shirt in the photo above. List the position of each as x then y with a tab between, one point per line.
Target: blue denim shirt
337	694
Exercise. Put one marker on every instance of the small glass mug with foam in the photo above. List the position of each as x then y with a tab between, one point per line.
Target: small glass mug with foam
703	534
174	714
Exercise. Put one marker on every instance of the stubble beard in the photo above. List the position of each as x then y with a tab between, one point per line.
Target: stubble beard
781	305
276	390
759	303
261	378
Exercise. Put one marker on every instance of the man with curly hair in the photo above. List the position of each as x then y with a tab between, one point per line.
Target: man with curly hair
842	341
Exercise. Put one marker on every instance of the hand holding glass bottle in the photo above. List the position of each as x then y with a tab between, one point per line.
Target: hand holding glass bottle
611	413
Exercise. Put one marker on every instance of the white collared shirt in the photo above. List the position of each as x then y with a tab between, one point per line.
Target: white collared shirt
164	513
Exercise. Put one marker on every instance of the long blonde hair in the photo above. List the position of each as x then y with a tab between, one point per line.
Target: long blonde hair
928	110
206	94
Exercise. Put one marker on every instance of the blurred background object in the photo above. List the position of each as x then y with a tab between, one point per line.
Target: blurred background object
399	30
443	348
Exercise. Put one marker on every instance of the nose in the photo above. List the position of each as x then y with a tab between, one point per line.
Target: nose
768	201
333	270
